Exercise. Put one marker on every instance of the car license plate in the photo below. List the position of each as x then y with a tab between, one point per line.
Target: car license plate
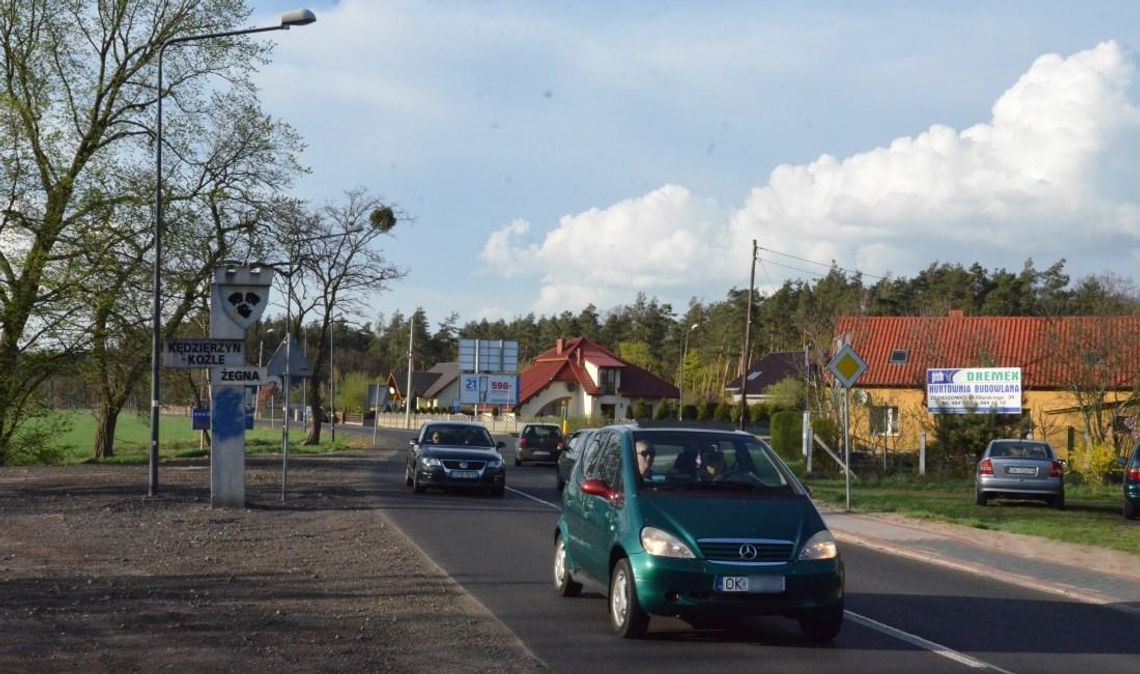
541	452
752	584
1021	470
464	474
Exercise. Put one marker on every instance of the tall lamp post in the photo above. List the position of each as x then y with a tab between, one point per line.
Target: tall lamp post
297	17
684	356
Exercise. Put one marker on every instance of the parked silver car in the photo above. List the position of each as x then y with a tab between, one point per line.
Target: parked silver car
1020	469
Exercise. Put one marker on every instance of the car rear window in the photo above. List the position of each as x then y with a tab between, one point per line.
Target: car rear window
540	432
1021	450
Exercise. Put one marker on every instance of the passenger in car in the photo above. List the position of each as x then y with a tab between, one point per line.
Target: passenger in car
713	463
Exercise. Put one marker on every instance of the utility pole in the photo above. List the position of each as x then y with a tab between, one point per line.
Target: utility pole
745	355
408	392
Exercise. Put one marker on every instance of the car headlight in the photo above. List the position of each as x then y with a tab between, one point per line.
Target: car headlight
820	546
495	463
429	461
664	544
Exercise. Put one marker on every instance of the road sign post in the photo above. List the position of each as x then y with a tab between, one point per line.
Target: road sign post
847	366
238	297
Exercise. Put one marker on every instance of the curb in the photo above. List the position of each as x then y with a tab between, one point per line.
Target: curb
1029	582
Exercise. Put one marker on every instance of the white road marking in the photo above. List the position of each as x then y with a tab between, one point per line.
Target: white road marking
937	649
534	498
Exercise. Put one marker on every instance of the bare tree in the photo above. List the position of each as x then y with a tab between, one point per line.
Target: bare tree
339	266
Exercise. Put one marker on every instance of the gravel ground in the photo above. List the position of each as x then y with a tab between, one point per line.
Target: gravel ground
96	576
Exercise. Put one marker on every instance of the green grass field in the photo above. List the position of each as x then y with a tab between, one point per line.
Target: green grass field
1091	516
176	439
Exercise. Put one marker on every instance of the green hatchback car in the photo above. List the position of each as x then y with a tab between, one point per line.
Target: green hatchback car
705	525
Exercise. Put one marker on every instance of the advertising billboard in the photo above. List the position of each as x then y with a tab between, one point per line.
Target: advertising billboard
499	390
980	389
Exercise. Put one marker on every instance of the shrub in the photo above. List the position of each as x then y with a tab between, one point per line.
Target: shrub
706	411
34	446
666	410
786	429
1092	462
640	410
758	413
724	412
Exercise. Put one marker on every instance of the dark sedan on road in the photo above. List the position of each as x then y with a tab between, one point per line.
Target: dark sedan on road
538	442
1020	469
455	455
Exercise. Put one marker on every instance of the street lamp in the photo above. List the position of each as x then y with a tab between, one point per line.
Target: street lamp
684	356
297	17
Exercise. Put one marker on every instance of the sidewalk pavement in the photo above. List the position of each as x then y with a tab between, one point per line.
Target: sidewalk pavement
1080	572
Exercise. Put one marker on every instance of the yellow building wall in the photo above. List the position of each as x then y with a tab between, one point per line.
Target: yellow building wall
1051	421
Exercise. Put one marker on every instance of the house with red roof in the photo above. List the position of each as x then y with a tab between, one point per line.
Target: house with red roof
1065	362
581	378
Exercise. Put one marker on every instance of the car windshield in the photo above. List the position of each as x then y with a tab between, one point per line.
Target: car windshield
677	459
454	435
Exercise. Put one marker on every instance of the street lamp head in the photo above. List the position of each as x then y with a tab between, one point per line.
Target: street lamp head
297	17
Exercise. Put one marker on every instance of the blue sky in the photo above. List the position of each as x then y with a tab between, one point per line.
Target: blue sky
555	154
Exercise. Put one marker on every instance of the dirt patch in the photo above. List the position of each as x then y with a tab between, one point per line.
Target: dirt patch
97	577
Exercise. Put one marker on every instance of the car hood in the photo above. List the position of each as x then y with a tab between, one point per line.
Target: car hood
460	452
693	518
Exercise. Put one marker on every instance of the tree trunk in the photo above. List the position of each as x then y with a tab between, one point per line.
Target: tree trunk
105	421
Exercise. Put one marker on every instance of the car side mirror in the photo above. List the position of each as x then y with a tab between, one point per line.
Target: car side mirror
597	487
500	444
808	489
412	443
1121	461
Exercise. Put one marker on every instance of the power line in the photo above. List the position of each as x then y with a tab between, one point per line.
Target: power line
821	264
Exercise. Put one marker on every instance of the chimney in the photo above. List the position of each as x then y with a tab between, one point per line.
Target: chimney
558	346
955	313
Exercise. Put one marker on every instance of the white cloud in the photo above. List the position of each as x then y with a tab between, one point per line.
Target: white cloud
1052	174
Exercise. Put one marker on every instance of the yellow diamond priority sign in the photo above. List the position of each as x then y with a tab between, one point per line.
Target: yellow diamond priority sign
847	366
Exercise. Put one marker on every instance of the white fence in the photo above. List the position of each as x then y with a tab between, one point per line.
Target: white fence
502	424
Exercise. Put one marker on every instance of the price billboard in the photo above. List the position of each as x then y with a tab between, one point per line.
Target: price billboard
500	390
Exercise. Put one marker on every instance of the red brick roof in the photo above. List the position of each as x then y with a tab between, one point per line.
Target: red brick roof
566	362
1052	352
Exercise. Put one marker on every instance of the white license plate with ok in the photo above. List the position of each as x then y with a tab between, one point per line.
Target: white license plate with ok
464	474
752	584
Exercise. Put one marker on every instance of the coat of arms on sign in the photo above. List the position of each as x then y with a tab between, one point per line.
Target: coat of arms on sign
243	305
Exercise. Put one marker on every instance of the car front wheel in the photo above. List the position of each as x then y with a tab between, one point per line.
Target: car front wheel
626	615
822	626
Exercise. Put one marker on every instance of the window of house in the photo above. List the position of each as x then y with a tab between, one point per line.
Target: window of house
899	356
609	377
884	420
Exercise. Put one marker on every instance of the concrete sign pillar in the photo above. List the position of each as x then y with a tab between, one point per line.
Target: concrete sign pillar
237	299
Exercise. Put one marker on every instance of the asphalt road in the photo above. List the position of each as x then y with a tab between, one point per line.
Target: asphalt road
903	615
